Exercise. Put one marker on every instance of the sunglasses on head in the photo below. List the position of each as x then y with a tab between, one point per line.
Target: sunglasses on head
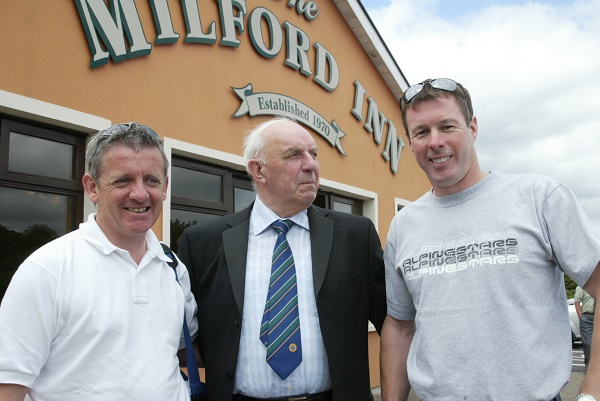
445	84
118	128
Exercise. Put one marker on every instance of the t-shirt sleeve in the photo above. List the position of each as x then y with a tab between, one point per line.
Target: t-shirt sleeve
574	240
399	301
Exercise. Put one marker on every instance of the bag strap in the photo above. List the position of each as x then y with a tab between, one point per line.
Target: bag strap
196	385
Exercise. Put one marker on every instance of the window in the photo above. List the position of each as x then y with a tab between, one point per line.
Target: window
339	203
201	192
40	188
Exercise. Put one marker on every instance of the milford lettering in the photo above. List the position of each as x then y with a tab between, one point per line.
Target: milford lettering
114	30
111	28
120	30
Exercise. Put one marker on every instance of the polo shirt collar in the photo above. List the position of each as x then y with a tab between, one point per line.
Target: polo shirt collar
92	233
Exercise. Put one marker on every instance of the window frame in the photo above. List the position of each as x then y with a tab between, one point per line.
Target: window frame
33	182
76	140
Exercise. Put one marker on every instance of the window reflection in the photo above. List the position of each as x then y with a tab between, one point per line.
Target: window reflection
28	220
32	155
181	219
196	184
347	208
242	198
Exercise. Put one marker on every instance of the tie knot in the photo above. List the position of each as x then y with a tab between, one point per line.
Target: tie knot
282	226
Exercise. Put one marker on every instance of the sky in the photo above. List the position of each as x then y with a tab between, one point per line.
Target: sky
533	71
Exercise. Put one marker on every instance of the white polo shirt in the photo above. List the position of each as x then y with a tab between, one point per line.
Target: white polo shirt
81	320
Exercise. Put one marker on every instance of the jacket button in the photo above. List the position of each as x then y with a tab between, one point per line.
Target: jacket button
237	324
229	374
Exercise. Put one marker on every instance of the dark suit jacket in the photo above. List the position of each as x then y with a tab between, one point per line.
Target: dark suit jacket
348	275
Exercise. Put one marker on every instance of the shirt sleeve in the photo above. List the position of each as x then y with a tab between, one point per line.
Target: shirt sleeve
575	242
190	302
399	301
28	320
578	294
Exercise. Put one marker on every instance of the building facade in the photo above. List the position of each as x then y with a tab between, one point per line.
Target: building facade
200	73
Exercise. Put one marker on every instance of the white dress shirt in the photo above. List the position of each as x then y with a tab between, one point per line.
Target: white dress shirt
254	377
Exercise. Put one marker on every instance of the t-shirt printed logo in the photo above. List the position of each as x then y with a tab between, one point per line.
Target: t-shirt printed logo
451	257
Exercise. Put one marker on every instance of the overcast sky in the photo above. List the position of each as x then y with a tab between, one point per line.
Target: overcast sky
533	71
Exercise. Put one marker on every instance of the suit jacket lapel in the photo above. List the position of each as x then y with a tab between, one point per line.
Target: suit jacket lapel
235	247
321	239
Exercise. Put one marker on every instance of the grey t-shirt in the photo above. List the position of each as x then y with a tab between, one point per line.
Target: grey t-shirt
481	273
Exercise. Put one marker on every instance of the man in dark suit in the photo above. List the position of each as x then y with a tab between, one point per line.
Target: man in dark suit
339	281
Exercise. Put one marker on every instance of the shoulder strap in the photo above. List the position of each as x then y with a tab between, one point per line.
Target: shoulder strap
196	385
173	263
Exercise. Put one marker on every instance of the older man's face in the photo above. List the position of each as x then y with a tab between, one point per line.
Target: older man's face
290	177
129	193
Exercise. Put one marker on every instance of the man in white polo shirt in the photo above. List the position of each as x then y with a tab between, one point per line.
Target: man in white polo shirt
97	314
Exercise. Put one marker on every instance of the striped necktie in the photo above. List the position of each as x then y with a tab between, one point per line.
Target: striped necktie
280	326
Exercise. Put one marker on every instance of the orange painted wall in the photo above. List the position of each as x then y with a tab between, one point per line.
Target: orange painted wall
183	90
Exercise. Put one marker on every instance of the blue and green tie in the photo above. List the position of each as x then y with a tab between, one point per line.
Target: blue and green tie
280	326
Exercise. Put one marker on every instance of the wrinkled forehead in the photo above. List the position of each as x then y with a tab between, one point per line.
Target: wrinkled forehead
286	135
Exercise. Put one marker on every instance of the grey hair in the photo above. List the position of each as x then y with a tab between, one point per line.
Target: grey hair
254	143
131	135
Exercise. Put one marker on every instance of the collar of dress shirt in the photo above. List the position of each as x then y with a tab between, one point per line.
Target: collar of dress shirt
262	217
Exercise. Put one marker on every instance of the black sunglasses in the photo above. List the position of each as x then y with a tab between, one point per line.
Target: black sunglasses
118	128
445	84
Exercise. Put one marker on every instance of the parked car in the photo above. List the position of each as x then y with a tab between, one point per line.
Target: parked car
575	333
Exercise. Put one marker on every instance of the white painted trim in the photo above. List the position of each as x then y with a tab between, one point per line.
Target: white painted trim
35	110
369	198
400	202
201	153
59	116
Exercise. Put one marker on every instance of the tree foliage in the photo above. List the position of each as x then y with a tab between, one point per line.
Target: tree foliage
570	286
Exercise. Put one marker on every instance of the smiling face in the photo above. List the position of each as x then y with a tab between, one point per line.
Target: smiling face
288	182
443	144
129	193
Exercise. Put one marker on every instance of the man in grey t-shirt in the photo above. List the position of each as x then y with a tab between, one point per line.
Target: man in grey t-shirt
474	270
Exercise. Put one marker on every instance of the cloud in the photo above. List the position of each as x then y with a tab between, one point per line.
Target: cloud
532	71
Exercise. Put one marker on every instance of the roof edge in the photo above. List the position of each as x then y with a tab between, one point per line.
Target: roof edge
367	34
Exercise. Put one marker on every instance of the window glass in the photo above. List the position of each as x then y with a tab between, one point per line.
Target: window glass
181	219
346	208
28	220
32	155
242	198
195	184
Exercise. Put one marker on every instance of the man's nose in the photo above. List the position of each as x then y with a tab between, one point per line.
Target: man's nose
436	139
139	191
310	162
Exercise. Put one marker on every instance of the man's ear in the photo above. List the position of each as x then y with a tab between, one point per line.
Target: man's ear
90	188
255	168
165	188
474	128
